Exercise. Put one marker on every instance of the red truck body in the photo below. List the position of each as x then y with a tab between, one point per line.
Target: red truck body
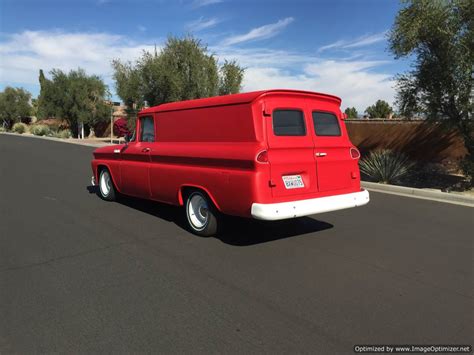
271	154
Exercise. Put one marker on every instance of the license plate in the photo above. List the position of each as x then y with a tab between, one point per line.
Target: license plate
293	181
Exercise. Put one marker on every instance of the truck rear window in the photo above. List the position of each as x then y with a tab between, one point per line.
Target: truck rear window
288	123
326	124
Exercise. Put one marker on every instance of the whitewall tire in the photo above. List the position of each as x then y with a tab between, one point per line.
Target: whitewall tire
106	186
201	214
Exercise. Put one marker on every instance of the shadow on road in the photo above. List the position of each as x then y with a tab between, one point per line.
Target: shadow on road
237	231
247	231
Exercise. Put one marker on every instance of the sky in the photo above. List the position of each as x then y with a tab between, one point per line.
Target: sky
337	47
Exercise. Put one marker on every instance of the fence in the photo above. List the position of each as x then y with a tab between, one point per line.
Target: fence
421	140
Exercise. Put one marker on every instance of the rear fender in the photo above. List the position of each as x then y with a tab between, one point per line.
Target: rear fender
198	187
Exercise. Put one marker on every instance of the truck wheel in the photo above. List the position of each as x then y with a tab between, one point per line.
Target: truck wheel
201	214
106	186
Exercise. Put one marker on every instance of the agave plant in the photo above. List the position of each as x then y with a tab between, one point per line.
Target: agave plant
386	166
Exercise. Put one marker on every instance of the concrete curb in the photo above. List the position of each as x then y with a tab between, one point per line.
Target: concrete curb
62	140
420	193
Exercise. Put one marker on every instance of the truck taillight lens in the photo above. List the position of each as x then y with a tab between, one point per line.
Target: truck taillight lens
262	157
355	153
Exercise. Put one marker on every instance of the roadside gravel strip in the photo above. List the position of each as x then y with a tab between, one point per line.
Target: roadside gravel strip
86	142
432	195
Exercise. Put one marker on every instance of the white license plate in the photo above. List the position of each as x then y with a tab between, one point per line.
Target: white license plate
293	181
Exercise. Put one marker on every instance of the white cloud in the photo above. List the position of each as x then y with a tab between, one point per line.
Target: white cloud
23	54
357	81
263	32
201	3
356	43
201	24
352	81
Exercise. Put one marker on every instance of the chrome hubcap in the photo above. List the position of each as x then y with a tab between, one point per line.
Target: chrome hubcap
198	211
105	183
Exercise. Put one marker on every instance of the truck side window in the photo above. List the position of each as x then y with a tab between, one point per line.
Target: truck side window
288	123
147	129
326	124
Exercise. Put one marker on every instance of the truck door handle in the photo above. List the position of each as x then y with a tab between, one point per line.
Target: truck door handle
145	150
321	154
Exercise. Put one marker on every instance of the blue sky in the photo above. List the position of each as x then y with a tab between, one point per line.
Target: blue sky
338	46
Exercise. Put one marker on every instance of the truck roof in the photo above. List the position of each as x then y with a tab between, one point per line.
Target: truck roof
234	99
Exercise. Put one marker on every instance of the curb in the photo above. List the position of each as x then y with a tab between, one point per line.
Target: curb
62	140
420	193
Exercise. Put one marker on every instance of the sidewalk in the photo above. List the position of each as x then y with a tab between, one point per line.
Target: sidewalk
91	142
458	198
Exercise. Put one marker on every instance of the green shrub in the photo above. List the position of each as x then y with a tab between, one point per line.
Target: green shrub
3	129
386	166
19	128
65	133
40	130
467	167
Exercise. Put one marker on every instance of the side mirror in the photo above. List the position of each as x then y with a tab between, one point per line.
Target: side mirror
126	137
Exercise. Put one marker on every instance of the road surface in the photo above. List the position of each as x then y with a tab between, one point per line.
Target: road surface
78	274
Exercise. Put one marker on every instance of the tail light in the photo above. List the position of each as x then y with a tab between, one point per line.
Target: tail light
355	153
262	157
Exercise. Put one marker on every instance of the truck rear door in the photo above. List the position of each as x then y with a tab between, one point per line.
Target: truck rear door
290	148
331	148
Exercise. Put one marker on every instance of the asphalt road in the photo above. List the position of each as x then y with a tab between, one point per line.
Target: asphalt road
78	274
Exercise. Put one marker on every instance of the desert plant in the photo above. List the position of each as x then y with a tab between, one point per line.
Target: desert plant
65	133
386	166
19	128
40	130
467	167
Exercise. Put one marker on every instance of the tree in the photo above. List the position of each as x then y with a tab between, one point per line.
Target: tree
231	78
127	81
440	36
14	104
351	112
75	97
381	109
46	99
182	70
34	107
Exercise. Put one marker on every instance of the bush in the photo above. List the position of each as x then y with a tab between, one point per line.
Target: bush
40	130
65	133
386	166
3	129
120	127
19	128
467	167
